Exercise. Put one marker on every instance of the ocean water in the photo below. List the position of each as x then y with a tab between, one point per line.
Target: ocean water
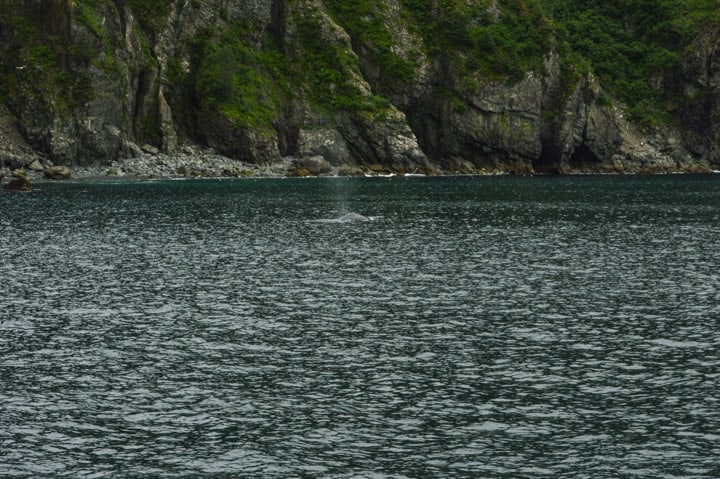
496	327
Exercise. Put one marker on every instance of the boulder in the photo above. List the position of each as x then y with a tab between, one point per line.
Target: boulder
312	166
129	149
349	170
150	150
60	172
20	182
12	160
36	166
325	142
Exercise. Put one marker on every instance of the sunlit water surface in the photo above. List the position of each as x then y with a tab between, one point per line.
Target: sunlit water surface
479	327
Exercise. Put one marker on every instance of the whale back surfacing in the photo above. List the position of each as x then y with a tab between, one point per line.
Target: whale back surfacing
351	217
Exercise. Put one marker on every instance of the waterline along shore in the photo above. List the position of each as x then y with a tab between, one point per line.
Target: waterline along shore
212	165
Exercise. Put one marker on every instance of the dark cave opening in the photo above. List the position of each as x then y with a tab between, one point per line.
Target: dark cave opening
583	158
549	160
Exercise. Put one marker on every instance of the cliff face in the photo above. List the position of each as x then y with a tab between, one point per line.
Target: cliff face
387	84
699	85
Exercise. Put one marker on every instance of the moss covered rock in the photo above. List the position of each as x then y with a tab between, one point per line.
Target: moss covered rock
58	172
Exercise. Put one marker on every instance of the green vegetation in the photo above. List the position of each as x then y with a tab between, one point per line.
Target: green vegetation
29	53
633	47
248	78
498	40
365	22
628	44
331	71
231	76
152	14
87	13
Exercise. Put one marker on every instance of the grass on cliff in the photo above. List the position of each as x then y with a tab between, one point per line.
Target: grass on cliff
231	75
498	40
152	14
631	45
366	23
41	66
331	71
248	78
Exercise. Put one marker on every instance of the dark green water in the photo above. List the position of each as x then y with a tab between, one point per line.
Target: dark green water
480	327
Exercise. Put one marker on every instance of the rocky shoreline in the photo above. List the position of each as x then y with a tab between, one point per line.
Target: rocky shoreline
189	166
196	164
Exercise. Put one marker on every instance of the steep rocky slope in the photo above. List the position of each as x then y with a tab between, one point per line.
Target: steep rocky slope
399	85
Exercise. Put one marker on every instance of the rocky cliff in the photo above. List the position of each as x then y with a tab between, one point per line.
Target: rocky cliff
394	85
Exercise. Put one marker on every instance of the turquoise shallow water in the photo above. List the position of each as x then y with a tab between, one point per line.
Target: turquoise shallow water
480	327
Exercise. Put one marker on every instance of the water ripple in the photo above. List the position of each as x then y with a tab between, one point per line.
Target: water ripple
484	328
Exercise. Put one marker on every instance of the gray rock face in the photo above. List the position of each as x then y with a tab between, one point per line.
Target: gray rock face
699	85
121	78
325	142
390	142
